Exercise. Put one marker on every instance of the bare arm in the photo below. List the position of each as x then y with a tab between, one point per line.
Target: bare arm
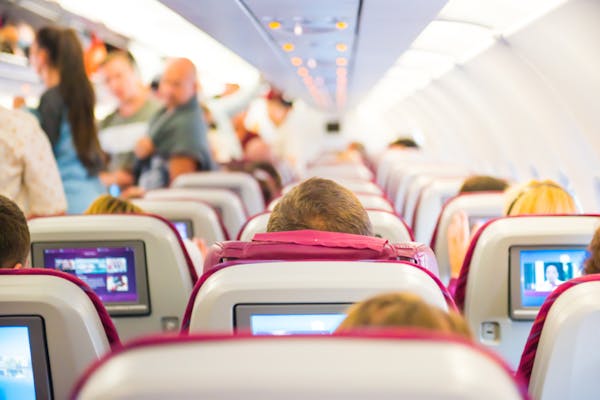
179	165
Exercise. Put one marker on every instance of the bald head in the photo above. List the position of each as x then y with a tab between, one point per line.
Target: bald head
179	82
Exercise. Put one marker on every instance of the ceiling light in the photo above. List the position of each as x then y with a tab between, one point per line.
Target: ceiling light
341	62
296	61
312	63
288	47
341	25
302	71
298	30
341	47
274	25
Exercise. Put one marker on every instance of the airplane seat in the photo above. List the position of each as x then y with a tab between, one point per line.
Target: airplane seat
355	365
228	297
64	325
319	245
386	225
241	183
429	204
479	206
137	264
194	218
504	278
226	203
559	357
341	171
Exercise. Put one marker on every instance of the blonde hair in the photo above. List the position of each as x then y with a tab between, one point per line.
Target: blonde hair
106	204
539	197
403	310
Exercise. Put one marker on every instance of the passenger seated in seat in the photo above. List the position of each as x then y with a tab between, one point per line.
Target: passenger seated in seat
459	232
323	205
405	310
592	264
107	204
14	235
539	197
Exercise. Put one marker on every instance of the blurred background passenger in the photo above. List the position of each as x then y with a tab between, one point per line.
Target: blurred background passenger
459	232
539	197
129	121
402	310
66	113
28	172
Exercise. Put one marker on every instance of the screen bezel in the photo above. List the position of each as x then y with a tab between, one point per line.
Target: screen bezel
242	312
40	359
188	226
515	307
115	309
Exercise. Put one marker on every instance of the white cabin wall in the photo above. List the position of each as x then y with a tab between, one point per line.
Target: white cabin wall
528	105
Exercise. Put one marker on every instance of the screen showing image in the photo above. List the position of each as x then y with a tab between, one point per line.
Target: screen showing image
23	359
184	228
295	324
289	319
477	221
537	271
109	271
114	270
16	370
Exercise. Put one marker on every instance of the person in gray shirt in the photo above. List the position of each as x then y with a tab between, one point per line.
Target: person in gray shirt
177	133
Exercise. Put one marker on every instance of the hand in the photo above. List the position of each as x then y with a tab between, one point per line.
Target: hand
144	148
458	241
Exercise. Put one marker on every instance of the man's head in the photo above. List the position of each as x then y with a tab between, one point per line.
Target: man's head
179	82
120	75
14	235
323	205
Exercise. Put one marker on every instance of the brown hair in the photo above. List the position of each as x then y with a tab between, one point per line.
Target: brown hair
120	55
65	53
14	234
481	183
402	310
592	264
106	204
323	205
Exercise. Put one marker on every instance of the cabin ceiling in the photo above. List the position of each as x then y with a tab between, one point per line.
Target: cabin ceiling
330	53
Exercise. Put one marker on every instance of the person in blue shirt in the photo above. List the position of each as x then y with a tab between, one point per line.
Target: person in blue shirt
66	113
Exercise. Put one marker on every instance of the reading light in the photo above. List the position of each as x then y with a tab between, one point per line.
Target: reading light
298	30
274	25
341	62
296	61
341	47
341	25
302	71
312	63
288	47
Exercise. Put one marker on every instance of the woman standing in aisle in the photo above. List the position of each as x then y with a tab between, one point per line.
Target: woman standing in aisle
66	113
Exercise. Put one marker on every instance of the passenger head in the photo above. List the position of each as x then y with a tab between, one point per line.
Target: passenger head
120	75
482	183
539	197
14	235
592	264
320	204
107	204
402	310
60	50
179	83
404	143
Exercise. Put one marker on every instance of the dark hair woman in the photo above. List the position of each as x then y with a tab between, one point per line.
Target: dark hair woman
66	113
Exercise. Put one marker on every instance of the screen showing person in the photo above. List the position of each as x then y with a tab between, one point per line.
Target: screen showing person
537	271
184	228
23	359
116	271
290	319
